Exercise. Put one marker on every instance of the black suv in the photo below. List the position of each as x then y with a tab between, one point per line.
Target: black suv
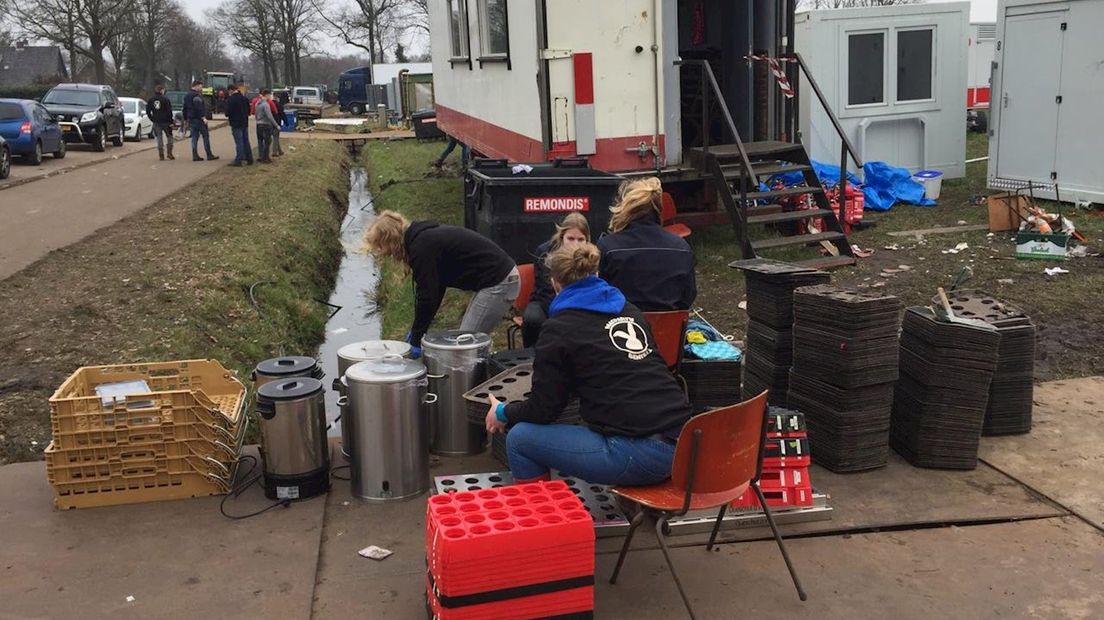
88	113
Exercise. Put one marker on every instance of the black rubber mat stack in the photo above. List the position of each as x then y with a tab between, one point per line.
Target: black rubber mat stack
769	352
711	383
844	367
1012	390
943	390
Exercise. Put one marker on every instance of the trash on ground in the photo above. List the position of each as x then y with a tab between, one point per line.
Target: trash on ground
520	168
130	599
375	553
904	267
1005	281
892	246
860	252
1079	251
958	248
1053	271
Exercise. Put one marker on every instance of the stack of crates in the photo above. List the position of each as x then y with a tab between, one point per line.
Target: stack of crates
522	551
786	459
181	439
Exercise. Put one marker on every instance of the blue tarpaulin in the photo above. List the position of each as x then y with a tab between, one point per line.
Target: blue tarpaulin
884	185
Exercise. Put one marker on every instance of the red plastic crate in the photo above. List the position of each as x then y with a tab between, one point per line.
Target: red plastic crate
555	604
778	462
776	498
784	478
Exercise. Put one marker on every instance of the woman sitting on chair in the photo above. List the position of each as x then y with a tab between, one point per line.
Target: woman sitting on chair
599	347
652	267
572	231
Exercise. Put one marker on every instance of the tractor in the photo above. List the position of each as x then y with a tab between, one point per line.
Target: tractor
216	89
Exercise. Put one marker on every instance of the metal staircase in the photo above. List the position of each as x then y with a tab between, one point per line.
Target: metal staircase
738	169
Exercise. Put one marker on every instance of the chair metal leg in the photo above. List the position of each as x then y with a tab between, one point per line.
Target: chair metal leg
778	539
637	520
716	527
667	555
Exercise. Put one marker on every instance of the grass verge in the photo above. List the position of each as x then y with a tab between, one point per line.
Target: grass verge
173	282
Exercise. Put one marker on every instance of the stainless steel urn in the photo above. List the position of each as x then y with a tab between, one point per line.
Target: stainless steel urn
294	449
285	368
351	354
456	362
387	404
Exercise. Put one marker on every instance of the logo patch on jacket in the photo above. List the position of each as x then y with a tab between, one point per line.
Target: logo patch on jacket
629	337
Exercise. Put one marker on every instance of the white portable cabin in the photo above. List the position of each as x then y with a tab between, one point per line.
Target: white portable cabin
979	63
1048	92
387	74
895	77
531	80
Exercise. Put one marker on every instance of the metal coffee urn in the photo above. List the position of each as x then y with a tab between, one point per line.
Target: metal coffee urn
285	368
386	402
351	354
294	450
456	362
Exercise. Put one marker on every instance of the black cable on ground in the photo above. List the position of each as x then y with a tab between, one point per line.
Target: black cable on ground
333	472
241	488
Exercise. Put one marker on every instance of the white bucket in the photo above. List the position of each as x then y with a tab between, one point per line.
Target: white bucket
932	180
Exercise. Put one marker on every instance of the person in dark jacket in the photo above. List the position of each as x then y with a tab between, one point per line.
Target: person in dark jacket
570	232
160	112
237	112
195	113
652	267
442	257
599	347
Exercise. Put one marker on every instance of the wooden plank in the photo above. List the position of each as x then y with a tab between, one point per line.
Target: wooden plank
781	242
939	231
789	216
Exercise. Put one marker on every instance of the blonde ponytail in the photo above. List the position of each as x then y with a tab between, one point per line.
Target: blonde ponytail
569	265
635	198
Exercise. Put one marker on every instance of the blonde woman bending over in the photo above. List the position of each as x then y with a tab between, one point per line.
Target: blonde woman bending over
442	257
652	267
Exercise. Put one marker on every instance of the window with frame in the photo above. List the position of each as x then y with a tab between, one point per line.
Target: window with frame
866	68
494	39
914	64
458	28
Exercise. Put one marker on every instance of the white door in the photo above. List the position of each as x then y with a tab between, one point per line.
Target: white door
1030	78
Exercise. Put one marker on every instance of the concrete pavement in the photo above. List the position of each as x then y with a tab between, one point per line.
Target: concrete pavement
55	212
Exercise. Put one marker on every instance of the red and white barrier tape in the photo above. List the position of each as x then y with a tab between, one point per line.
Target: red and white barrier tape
780	75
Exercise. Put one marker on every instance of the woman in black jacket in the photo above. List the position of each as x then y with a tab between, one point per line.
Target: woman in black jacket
442	257
599	347
572	230
652	267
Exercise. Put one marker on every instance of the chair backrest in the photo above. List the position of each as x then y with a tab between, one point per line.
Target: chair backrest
668	212
528	280
729	450
669	331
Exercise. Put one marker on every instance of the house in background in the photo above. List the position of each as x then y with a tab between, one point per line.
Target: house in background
25	65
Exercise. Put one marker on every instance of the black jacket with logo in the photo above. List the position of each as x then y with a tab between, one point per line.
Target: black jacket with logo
601	348
159	110
443	257
652	267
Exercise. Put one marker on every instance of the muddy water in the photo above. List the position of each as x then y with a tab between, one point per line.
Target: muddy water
355	290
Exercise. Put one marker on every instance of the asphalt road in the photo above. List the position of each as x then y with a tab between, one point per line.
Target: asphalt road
53	212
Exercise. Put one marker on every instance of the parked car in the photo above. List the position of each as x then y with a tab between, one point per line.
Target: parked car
307	95
5	158
87	113
138	124
30	130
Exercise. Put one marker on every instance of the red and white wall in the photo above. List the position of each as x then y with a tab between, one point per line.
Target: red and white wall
979	58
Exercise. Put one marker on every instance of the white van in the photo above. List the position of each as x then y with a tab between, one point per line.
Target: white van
306	95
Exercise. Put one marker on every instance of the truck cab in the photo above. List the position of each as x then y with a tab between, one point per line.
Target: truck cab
352	90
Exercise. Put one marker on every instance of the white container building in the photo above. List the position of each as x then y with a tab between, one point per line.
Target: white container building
1045	123
896	77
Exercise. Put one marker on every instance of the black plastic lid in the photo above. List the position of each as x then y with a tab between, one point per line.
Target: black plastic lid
289	366
288	389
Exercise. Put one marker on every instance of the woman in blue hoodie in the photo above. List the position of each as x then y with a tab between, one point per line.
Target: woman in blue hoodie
599	347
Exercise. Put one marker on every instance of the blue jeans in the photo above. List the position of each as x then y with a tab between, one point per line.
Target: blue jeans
577	451
200	129
264	142
243	150
465	151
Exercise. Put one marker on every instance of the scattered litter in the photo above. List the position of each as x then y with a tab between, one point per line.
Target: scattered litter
1078	251
877	284
1053	271
130	599
742	305
938	231
892	246
344	503
34	443
961	222
958	248
520	168
889	272
904	267
1005	281
374	552
860	252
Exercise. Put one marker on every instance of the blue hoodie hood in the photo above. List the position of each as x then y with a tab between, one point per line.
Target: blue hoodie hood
591	293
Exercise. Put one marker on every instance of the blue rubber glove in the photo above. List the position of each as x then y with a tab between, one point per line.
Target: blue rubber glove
415	351
408	338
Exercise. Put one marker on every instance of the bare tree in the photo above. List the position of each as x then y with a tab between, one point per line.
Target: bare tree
367	24
154	23
192	49
251	26
83	27
295	21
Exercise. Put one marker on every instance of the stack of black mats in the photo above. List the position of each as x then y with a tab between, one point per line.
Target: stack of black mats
844	368
943	390
768	354
1012	391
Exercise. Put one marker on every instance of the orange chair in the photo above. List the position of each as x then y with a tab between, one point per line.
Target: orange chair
528	275
668	215
669	331
719	456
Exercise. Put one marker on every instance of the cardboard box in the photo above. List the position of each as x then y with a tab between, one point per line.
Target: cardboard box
1006	211
1050	246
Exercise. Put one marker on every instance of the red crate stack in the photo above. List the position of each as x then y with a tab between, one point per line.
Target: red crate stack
521	551
785	478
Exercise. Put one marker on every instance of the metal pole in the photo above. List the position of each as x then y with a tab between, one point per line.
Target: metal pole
841	193
705	125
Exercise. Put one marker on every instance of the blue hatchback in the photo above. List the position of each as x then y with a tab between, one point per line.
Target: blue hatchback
30	130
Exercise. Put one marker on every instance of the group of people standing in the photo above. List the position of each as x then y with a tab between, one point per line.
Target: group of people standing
268	111
585	319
